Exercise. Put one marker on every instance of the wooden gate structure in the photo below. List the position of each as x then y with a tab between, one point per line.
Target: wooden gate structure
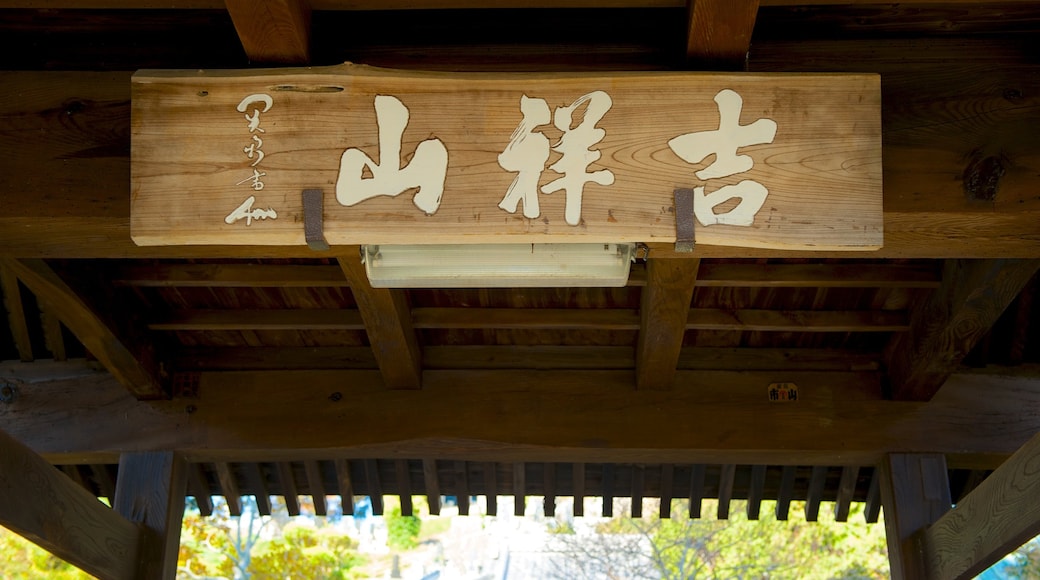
904	377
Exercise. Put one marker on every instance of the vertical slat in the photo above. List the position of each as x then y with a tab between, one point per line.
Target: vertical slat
667	472
16	314
915	490
289	490
756	491
273	31
638	483
256	479
726	478
696	490
433	486
579	489
388	322
872	509
815	494
608	490
404	486
846	491
230	488
52	335
346	486
663	310
462	487
491	487
197	488
316	486
519	489
719	33
549	482
786	493
150	493
375	486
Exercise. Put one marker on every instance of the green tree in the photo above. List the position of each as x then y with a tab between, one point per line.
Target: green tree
21	559
402	531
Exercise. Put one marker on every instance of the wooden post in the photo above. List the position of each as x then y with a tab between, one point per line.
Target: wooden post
273	31
150	491
719	32
915	491
39	502
663	313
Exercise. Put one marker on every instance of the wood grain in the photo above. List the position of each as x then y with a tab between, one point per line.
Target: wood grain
16	314
828	141
664	307
41	504
150	492
915	492
718	34
273	31
948	324
996	518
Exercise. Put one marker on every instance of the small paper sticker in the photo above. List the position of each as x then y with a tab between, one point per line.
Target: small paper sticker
783	393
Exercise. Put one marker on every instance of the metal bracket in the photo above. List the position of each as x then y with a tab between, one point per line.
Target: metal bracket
314	219
684	221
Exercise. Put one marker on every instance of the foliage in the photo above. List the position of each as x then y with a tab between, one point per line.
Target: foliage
1024	563
305	552
21	559
402	531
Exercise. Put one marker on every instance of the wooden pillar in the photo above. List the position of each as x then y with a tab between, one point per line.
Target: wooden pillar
150	492
915	492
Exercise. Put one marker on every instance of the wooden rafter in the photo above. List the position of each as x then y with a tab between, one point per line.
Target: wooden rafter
40	503
915	492
388	321
663	313
273	31
135	365
947	325
719	32
150	493
998	516
16	313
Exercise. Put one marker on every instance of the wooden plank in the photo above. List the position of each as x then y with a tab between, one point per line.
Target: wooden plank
607	495
404	486
718	33
41	504
16	314
814	495
664	306
230	275
136	366
756	491
667	475
229	487
288	485
578	483
721	274
260	491
996	518
846	492
727	476
696	490
786	493
796	321
915	492
433	487
303	319
346	487
388	321
491	487
274	358
519	489
462	487
462	157
872	507
946	326
375	486
316	487
273	31
638	484
549	490
52	334
526	318
150	493
197	489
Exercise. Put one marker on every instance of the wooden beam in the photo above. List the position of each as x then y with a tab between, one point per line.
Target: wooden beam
136	366
997	517
667	473
872	507
462	487
727	476
40	503
947	325
491	487
289	491
52	334
375	486
519	488
549	490
316	487
718	33
846	492
814	495
404	485
915	491
638	484
16	314
198	489
388	321
431	481
270	319
345	485
607	490
756	491
260	492
664	307
150	492
786	493
230	488
696	490
273	31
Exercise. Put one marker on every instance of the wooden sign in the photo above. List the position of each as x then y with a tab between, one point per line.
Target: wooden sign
773	160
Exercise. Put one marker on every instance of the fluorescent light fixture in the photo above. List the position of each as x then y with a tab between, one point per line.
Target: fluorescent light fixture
497	265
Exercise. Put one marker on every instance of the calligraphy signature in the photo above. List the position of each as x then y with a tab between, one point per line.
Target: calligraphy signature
246	212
